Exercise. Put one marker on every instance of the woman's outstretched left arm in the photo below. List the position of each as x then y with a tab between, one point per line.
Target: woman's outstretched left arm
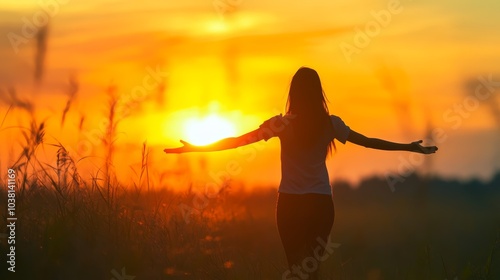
223	144
375	143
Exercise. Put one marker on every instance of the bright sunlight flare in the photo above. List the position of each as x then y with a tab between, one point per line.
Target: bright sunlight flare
203	131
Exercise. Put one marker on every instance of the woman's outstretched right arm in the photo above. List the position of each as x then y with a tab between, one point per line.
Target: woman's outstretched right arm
223	144
375	143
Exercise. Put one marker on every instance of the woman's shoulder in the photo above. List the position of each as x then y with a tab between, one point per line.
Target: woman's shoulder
282	118
276	125
335	117
336	120
278	121
340	128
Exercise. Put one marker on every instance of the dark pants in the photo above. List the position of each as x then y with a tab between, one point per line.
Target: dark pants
304	224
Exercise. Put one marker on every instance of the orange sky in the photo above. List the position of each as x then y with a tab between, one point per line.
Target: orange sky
236	62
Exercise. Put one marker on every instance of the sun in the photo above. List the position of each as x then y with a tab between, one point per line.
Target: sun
206	130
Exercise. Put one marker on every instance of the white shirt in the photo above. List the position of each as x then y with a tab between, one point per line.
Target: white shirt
303	170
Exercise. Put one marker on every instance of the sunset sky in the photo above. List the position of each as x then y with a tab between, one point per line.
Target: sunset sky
398	70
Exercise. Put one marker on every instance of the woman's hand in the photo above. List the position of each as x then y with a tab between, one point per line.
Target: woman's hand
417	148
186	147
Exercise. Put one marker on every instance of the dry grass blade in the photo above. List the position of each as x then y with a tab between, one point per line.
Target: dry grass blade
144	163
41	50
5	116
80	124
72	91
15	102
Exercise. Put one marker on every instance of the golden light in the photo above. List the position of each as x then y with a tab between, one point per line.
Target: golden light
218	26
206	130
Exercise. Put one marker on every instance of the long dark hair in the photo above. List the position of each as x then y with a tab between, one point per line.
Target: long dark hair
307	100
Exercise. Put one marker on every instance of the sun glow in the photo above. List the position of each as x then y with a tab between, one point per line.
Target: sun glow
206	130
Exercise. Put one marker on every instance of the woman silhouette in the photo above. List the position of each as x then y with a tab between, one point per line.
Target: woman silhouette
304	211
